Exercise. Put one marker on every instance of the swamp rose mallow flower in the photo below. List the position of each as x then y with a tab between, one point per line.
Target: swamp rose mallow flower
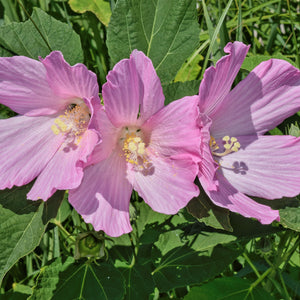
238	159
145	146
53	135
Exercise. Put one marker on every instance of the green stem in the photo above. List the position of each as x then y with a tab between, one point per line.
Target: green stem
64	231
260	279
251	264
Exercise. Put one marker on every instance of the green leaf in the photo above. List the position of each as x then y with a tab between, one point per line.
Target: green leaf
290	218
147	217
23	223
247	228
71	280
231	288
5	112
190	70
275	131
12	295
101	8
206	240
4	52
165	30
251	62
123	240
183	266
64	210
204	210
25	39
177	90
139	282
169	240
294	130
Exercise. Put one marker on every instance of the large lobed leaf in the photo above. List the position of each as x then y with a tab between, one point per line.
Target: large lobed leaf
25	39
74	280
165	30
22	224
183	266
139	282
178	90
230	288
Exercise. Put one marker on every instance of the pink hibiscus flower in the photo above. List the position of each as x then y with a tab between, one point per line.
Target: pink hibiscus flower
238	158
53	135
145	146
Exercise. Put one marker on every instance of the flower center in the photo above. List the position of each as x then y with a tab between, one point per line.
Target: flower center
73	122
231	145
134	147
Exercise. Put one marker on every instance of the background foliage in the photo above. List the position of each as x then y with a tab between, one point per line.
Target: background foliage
48	252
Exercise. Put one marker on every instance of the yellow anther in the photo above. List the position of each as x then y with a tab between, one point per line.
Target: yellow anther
55	130
141	148
61	124
227	146
231	145
133	147
74	122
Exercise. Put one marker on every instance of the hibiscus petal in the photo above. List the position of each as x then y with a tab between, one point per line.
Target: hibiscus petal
152	98
228	197
167	185
27	145
267	96
109	137
103	197
217	81
132	88
121	93
268	167
174	129
24	87
65	169
69	82
207	166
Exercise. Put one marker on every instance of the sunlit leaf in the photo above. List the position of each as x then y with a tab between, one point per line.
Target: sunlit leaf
165	30
25	39
101	8
290	218
251	62
204	210
190	70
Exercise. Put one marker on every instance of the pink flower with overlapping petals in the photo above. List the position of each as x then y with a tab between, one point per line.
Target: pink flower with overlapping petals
145	146
53	134
238	159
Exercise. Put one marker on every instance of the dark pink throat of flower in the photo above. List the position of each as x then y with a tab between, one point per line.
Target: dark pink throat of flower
73	122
